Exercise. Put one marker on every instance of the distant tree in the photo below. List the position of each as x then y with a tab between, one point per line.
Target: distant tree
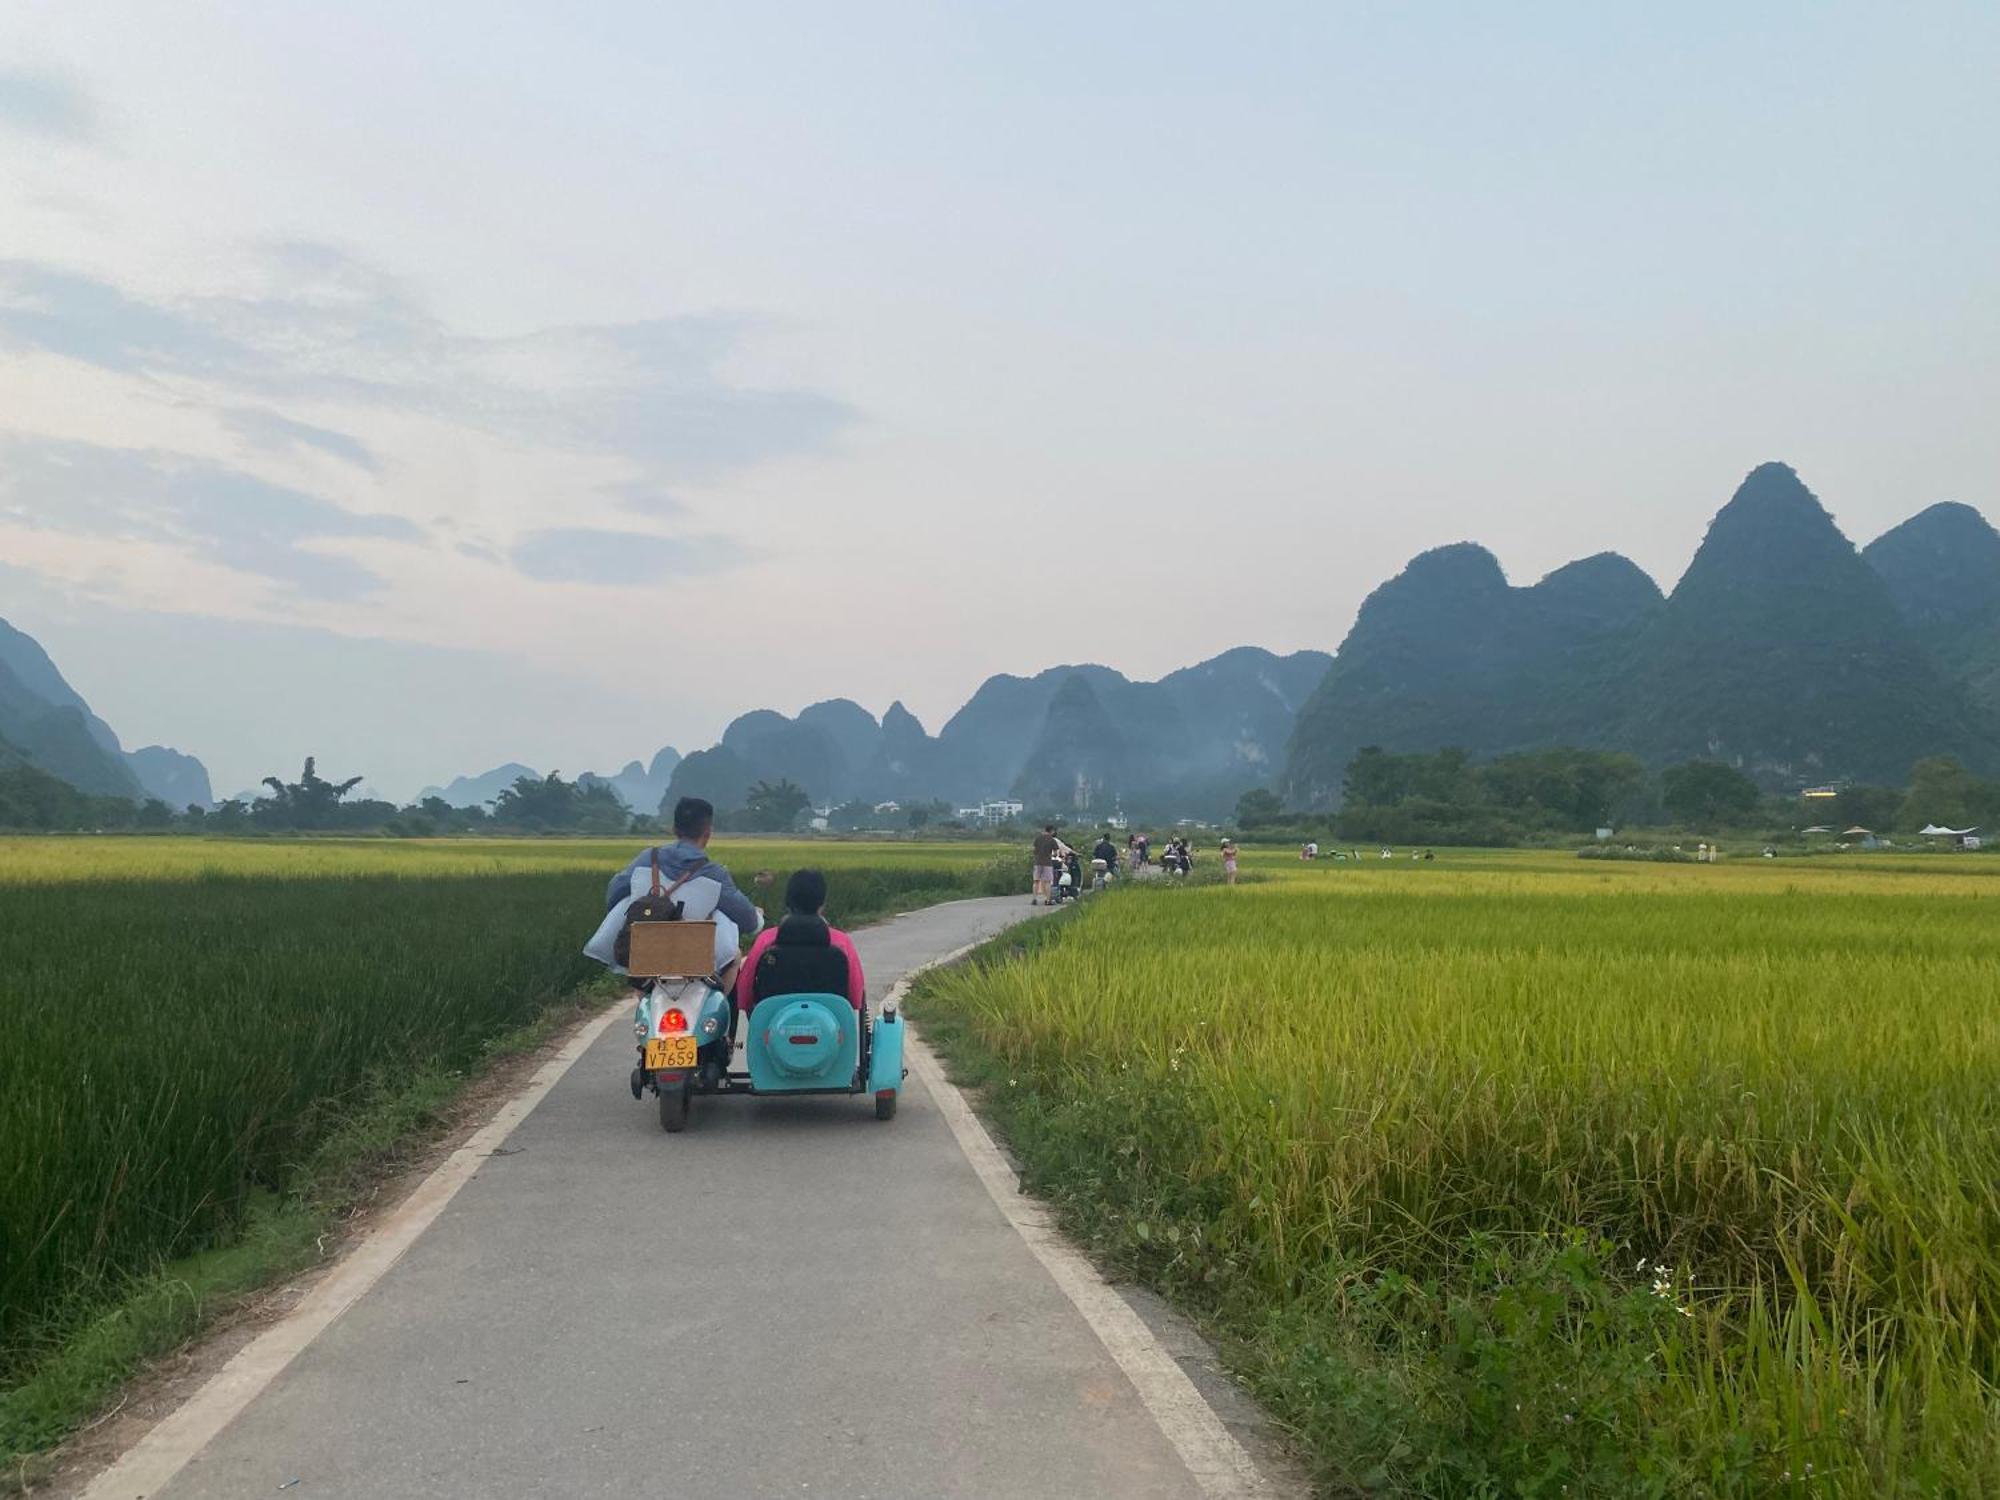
230	816
549	804
1258	806
1876	808
32	798
310	802
1563	788
926	814
772	807
1376	778
1941	791
1706	793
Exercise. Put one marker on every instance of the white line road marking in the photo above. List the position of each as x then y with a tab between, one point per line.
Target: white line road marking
162	1453
1220	1465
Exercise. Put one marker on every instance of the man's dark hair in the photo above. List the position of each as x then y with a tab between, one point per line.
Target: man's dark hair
805	892
1048	828
693	816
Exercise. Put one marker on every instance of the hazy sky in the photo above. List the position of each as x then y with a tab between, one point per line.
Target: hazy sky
389	381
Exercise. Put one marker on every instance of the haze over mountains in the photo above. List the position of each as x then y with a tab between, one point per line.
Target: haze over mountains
1083	737
640	785
45	723
1782	650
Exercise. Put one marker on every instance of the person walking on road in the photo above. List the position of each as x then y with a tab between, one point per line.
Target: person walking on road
1103	861
1046	844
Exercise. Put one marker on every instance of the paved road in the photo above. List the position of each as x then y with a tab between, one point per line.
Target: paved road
790	1299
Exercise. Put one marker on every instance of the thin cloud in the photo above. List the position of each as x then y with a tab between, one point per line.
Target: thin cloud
337	329
270	432
221	515
48	105
588	556
645	498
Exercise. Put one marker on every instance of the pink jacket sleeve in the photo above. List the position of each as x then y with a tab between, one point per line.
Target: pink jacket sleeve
857	985
746	977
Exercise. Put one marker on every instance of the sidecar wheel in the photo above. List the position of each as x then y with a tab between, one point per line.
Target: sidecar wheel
675	1104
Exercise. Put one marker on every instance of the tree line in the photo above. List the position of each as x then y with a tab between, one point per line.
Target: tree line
33	799
1443	797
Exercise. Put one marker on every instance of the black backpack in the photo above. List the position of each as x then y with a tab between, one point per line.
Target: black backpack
656	905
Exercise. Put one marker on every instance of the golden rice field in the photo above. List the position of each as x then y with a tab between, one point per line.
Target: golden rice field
189	1026
34	860
1515	1174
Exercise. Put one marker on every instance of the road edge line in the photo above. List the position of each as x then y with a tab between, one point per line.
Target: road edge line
1220	1465
150	1464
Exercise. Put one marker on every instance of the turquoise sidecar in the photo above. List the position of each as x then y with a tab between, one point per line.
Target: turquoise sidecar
793	1044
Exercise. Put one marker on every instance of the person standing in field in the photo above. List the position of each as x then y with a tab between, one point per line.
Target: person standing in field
1046	844
1229	861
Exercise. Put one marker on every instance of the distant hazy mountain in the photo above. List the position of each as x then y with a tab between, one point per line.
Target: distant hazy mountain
1080	737
1779	650
178	780
1191	742
44	722
1447	653
905	765
718	773
829	750
772	747
477	791
1782	650
1942	569
640	786
850	728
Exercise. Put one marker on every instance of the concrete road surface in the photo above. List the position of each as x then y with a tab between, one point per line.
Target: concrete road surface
791	1299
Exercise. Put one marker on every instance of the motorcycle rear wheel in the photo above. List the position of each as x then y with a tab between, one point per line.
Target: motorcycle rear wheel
675	1104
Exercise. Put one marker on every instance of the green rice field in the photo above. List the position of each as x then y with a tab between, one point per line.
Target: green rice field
185	1024
1516	1174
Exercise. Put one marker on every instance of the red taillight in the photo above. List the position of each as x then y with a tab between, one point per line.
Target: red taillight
672	1020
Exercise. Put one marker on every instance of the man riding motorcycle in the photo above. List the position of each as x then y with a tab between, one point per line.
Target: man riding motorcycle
703	888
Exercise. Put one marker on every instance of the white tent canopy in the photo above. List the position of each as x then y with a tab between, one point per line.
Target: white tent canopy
1933	830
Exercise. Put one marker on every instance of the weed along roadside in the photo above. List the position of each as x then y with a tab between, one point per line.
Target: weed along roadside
186	1113
1512	1174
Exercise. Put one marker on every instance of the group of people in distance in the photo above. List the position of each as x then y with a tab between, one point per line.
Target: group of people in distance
1053	860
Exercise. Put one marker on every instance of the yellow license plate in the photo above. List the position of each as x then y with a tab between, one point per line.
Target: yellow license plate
670	1052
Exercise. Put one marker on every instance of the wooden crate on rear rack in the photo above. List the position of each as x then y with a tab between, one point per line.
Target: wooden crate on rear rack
672	950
